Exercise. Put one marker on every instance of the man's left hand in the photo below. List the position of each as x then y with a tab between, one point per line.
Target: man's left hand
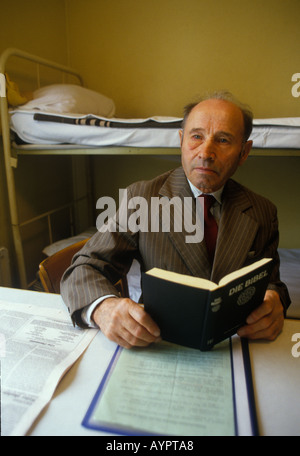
265	322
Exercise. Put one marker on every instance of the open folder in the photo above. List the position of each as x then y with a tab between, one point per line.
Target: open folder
168	389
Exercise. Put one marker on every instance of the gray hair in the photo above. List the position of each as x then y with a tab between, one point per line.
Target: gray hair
225	96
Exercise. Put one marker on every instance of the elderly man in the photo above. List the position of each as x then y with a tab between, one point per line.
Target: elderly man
214	143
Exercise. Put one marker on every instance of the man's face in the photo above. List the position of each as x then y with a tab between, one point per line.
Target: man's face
212	145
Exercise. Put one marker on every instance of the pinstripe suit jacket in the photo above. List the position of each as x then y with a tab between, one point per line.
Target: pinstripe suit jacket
248	230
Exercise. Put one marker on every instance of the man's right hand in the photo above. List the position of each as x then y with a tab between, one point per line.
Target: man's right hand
126	323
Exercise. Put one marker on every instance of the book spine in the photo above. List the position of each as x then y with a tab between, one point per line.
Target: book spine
213	303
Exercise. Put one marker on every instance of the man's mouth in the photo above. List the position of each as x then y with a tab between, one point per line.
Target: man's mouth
205	170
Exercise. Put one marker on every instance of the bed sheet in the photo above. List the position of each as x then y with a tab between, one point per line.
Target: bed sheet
267	133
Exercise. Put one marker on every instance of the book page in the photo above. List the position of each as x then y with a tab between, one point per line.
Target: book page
183	279
167	389
205	284
39	345
243	271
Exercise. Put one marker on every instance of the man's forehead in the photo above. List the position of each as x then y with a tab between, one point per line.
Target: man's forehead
220	112
217	108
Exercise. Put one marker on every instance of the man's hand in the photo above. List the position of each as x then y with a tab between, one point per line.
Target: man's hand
266	321
126	323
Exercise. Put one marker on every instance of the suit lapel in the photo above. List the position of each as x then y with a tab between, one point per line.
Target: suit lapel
237	231
194	255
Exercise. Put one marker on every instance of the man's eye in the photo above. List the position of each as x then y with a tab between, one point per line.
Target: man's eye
224	140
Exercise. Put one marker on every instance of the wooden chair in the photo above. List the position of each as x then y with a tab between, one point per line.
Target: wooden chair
52	268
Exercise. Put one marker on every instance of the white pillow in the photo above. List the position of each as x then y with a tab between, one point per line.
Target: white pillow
69	98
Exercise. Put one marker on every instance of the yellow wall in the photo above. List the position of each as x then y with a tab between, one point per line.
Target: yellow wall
38	27
152	57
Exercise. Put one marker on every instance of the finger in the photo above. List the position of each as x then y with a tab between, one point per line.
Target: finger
126	338
256	327
260	312
122	342
266	328
125	329
138	338
125	322
144	319
269	333
137	334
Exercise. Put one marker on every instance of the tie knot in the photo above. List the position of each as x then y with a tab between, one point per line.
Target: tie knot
210	226
208	200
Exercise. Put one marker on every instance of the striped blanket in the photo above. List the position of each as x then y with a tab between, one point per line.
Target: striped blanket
109	123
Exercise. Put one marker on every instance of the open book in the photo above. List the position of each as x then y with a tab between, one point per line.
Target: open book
197	313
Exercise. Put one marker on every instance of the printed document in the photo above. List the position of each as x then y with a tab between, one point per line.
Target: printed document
166	389
39	345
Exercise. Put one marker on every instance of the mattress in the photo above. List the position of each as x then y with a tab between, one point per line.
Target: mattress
163	131
91	131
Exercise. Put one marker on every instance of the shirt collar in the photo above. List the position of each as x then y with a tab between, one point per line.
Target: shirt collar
196	192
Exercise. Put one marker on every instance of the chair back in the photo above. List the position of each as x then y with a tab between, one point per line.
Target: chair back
52	268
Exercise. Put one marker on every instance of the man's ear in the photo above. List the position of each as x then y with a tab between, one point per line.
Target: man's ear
245	152
180	136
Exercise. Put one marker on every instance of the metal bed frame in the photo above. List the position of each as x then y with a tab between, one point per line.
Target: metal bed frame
11	157
12	153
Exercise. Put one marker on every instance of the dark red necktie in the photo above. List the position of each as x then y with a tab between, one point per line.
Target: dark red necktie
210	226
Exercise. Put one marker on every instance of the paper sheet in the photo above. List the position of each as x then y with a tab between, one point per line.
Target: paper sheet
167	389
38	346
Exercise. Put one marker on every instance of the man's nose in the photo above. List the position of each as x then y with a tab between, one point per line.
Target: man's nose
207	149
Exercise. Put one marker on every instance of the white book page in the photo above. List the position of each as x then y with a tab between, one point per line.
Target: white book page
241	272
183	279
205	284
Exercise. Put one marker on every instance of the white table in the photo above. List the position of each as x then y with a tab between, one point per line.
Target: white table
276	375
276	378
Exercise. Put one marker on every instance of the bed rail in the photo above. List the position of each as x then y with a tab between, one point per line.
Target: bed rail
13	52
9	159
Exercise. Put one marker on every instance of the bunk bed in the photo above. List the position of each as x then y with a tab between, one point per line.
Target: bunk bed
43	127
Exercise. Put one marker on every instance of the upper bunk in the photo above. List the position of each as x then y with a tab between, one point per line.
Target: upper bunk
67	118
